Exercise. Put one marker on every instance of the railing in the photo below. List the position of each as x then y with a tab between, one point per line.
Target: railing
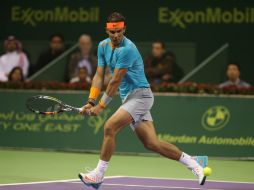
207	61
188	87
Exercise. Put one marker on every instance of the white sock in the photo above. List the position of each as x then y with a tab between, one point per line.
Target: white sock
188	161
102	166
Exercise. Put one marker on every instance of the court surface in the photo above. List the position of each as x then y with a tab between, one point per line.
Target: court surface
40	170
131	183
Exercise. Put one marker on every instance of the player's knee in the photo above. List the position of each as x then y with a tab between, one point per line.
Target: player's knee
151	145
109	129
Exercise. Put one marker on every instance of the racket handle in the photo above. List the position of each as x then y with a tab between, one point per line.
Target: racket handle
78	110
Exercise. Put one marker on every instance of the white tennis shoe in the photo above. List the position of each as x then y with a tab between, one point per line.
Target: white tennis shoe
198	170
92	179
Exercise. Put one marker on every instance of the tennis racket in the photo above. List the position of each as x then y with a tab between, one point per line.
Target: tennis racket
48	105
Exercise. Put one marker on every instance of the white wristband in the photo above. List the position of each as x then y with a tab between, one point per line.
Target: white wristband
105	100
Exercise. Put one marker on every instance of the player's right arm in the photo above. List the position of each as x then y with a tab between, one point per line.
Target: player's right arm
97	85
95	89
98	78
97	82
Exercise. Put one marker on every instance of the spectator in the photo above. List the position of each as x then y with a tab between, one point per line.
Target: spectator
82	77
82	58
56	48
159	66
233	73
14	57
16	75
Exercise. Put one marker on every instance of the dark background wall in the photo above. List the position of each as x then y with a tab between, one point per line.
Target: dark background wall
206	24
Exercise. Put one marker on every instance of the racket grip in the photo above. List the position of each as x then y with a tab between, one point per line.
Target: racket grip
78	110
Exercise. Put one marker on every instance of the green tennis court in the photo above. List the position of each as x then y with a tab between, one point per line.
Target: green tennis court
32	166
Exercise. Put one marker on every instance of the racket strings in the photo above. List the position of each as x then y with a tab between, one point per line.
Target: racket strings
53	108
45	105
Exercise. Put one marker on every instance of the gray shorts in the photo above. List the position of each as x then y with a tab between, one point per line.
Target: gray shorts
138	104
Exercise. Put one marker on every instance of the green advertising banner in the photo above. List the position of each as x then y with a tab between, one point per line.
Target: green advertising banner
207	24
175	20
216	126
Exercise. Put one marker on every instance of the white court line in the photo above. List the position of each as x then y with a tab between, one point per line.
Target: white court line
152	186
148	186
54	181
184	179
112	177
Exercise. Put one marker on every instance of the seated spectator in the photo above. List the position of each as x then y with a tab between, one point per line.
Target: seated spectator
233	73
159	66
82	58
14	57
56	48
16	75
82	77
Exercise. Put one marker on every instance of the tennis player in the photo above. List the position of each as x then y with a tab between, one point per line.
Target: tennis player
126	66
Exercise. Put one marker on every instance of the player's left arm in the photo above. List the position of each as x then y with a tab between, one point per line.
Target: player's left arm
125	60
111	90
115	81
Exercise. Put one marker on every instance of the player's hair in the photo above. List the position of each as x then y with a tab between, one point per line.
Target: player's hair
234	63
56	35
116	17
163	45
